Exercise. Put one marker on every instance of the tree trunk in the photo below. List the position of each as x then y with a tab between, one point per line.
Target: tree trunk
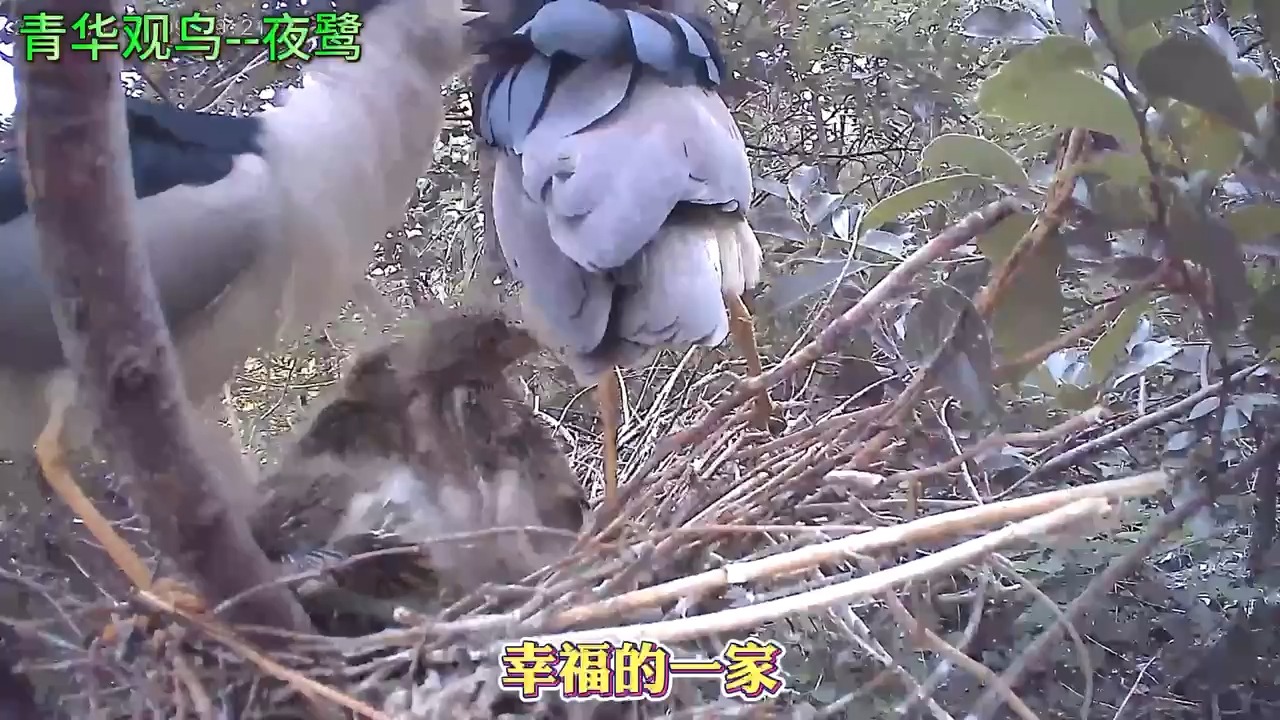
80	190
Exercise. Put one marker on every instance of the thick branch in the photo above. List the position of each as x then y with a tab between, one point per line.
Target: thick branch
80	184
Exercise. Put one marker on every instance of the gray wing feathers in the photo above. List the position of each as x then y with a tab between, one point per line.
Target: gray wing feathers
656	47
516	99
609	188
582	28
218	229
585	217
581	99
570	302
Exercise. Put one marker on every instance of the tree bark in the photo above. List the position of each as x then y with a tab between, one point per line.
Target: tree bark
80	189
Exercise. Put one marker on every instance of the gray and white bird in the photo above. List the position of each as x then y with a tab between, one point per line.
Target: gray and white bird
621	183
256	226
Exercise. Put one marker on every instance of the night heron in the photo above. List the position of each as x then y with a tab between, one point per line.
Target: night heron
253	227
426	440
621	184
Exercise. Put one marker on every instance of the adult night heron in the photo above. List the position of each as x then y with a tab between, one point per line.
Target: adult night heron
425	439
256	226
621	184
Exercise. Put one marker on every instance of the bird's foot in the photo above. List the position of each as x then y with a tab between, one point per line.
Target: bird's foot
762	417
742	329
143	621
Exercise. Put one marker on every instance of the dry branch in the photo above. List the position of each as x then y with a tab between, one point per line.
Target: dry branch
79	182
1119	568
956	556
914	533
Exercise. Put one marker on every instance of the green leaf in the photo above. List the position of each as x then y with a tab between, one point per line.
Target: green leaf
1209	146
1207	241
1128	169
1110	348
1030	314
1189	68
1071	397
1257	91
975	154
1254	223
1131	23
1056	53
947	315
1120	205
1045	85
914	198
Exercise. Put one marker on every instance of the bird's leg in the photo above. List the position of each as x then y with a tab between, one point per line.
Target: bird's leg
51	456
743	330
609	404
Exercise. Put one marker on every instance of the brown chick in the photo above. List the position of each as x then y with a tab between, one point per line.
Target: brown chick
426	438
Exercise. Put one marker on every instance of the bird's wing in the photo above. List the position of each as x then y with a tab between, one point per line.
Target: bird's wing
528	59
581	299
171	146
600	151
198	181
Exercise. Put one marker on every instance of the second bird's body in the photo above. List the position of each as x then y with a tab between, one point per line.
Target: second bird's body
621	184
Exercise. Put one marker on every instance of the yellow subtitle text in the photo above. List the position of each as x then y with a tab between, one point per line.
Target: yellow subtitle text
749	670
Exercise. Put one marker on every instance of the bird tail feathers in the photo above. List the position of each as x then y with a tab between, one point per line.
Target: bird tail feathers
675	292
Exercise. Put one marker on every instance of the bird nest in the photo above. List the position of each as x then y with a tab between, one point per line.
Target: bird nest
721	536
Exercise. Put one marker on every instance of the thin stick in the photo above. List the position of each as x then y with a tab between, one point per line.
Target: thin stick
912	533
868	586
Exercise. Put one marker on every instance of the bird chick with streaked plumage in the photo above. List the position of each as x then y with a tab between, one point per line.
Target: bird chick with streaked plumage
425	439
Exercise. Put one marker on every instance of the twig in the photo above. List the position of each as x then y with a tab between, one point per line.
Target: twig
1054	521
1120	434
17	696
1078	423
913	628
1045	224
909	534
195	689
1117	570
224	635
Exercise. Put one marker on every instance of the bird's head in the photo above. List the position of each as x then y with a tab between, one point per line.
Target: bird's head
441	346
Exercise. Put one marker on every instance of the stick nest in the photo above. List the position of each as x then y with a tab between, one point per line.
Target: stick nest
722	533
